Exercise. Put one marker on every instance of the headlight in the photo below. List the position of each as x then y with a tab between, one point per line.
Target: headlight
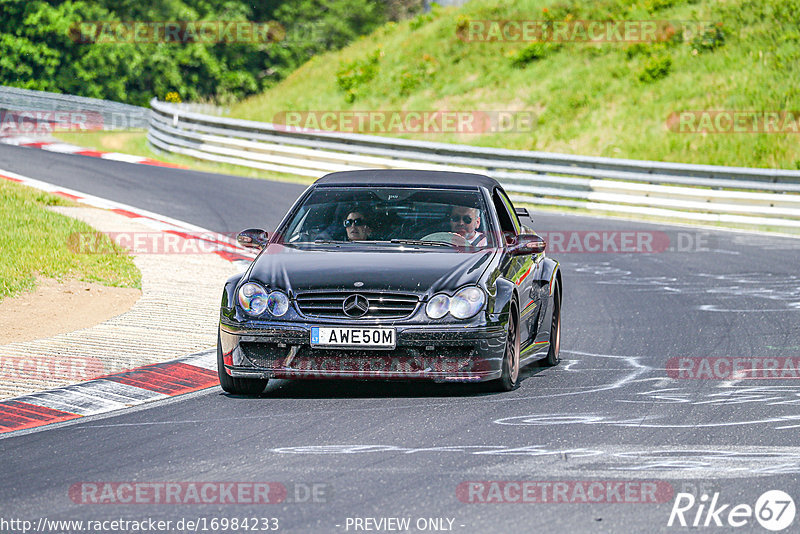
277	303
466	302
463	305
438	306
253	298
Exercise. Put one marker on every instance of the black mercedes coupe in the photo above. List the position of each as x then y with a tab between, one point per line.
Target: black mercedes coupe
392	275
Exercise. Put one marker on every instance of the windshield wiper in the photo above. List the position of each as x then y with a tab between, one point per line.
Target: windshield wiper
420	242
316	242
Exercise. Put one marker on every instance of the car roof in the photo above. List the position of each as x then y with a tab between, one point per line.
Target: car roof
403	177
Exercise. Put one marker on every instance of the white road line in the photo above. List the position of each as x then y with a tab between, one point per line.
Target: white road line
62	148
116	156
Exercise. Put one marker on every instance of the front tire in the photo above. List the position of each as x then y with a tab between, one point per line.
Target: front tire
555	329
509	378
237	386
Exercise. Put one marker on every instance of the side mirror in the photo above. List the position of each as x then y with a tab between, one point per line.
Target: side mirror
527	244
253	238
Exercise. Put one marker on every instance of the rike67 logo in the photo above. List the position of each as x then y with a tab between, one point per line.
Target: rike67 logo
774	510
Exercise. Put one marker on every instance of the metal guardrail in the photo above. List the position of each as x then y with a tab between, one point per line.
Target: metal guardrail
32	108
680	191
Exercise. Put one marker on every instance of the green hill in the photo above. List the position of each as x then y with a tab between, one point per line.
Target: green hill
606	99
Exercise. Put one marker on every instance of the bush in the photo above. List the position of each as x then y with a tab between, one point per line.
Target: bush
637	49
421	72
709	39
532	52
655	68
351	76
462	26
657	5
420	20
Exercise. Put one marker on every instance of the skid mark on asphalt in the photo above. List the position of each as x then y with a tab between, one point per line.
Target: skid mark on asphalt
752	292
660	402
663	461
591	419
725	393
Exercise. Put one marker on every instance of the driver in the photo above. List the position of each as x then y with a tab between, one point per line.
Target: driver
465	221
358	225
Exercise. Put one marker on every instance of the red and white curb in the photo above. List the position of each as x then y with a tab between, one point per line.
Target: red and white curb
110	393
222	245
67	148
136	386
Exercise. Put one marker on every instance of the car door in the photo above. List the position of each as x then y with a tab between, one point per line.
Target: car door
519	269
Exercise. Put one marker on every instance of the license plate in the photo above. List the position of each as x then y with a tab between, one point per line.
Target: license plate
384	338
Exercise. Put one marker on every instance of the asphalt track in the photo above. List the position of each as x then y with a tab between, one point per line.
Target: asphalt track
608	412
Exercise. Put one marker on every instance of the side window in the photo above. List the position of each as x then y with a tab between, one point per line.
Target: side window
510	208
506	221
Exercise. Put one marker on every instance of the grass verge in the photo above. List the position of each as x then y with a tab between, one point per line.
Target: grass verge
35	241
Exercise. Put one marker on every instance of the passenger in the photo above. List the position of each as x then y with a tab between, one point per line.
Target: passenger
465	221
358	226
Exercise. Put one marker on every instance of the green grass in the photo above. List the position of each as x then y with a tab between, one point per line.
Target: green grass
35	241
610	99
135	143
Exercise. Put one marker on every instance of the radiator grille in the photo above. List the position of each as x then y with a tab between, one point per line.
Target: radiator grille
382	305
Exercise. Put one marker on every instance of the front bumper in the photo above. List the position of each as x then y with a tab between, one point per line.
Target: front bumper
430	352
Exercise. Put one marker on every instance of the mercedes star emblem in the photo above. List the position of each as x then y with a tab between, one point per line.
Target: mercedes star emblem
355	306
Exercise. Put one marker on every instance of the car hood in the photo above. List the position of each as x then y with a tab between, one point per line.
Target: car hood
298	270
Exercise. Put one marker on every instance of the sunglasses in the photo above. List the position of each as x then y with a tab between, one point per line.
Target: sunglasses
466	218
354	222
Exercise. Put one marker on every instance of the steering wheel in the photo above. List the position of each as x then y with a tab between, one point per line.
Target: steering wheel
447	237
309	236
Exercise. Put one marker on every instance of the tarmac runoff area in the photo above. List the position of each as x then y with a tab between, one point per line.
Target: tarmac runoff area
176	315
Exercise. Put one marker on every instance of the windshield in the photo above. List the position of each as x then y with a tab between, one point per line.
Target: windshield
408	216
